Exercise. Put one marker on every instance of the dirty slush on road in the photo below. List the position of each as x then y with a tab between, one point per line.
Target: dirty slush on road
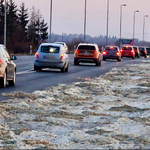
111	111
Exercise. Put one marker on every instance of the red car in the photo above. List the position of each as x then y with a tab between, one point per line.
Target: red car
128	51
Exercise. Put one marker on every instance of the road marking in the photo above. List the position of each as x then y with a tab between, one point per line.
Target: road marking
25	72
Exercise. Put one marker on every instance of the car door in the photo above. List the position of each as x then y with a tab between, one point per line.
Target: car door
9	64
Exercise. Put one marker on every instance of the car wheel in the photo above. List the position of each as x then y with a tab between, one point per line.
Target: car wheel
66	69
119	59
133	57
63	69
104	59
76	63
3	81
145	56
36	68
12	82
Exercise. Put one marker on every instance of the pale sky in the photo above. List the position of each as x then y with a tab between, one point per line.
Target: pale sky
68	16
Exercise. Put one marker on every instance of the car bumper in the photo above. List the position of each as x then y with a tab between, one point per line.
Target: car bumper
111	57
87	60
49	64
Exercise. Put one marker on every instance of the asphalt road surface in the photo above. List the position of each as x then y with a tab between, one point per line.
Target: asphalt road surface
28	80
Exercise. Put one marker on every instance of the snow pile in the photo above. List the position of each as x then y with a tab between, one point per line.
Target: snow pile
110	111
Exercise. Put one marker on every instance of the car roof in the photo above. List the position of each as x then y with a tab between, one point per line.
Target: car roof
90	44
51	44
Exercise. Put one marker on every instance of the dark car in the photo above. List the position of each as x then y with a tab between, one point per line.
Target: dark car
143	51
148	50
137	51
111	52
7	68
128	51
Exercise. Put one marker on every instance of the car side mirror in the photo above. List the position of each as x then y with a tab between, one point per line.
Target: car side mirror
13	57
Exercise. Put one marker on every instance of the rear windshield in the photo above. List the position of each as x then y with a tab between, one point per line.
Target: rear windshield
126	48
148	49
135	48
86	47
111	48
50	49
141	48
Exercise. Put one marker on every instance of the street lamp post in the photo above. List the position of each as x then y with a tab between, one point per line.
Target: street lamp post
144	27
50	26
134	23
5	23
121	18
85	22
107	22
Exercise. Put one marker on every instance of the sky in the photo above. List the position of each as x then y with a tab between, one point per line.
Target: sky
68	16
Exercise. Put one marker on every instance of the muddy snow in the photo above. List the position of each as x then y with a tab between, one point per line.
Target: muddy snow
111	111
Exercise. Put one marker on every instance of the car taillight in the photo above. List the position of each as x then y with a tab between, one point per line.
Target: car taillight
77	51
61	56
104	52
132	51
121	50
144	51
37	55
117	53
1	62
95	52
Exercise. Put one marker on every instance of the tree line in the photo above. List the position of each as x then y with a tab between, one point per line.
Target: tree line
23	29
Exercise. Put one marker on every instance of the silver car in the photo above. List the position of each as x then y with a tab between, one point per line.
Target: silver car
7	68
51	55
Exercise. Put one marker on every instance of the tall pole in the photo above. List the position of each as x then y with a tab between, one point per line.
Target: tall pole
107	22
121	18
134	24
50	26
85	22
5	24
144	27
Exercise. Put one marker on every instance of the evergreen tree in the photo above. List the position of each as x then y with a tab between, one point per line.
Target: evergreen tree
23	20
12	21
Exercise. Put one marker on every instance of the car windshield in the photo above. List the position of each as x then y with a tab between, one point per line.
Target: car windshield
126	48
111	48
49	49
86	47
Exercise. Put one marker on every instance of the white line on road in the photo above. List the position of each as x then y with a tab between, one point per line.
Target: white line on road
25	72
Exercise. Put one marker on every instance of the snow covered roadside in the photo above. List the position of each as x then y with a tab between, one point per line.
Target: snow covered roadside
110	111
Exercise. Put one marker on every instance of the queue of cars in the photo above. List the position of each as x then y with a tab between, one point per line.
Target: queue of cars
55	55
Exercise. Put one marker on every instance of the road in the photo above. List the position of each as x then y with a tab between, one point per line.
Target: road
28	80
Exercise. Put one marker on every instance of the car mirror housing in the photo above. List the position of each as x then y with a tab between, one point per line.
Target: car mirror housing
13	57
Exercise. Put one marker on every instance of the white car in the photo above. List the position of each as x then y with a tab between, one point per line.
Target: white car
51	55
64	44
7	68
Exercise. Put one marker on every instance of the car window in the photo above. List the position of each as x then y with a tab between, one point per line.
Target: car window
141	48
4	52
86	47
50	49
135	48
111	48
126	48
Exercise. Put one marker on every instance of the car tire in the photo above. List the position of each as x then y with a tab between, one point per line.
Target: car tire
145	56
63	69
104	59
76	63
36	68
66	69
12	82
119	59
3	81
133	57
